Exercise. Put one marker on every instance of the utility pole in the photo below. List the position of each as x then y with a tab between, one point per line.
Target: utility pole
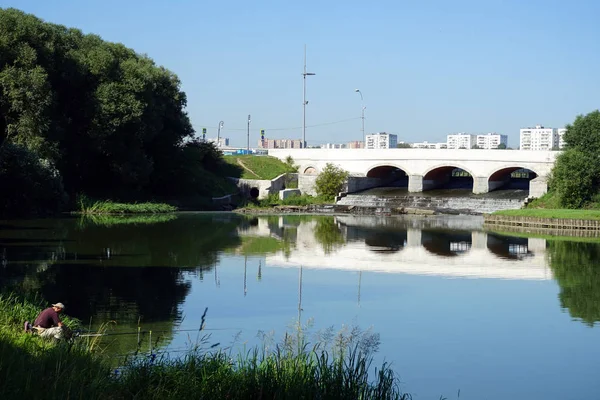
304	102
248	140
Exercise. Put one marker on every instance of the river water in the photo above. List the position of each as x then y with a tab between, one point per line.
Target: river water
456	308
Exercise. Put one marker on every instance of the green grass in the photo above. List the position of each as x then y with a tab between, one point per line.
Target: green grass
552	213
88	206
337	367
264	167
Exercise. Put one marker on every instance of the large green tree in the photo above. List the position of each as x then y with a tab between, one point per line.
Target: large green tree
576	174
111	121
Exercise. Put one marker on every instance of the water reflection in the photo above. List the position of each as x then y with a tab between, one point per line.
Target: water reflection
141	269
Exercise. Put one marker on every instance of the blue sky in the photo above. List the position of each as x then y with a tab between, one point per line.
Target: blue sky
426	68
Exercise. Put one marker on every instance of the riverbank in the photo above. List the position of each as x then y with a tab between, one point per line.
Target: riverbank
294	369
551	221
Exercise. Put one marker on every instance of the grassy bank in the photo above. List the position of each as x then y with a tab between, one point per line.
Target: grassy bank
30	366
259	167
552	213
88	206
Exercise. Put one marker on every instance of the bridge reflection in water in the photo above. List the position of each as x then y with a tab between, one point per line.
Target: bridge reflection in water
444	246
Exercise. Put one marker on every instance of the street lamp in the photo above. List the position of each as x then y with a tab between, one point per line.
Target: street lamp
362	116
221	123
304	102
248	142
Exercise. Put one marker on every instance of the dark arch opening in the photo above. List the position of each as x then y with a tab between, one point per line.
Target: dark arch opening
513	178
508	247
448	178
389	175
254	193
446	244
386	242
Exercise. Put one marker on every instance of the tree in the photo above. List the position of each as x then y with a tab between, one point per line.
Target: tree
330	181
576	174
404	145
501	146
112	122
475	147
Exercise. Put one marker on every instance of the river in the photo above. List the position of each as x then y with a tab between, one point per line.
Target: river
455	307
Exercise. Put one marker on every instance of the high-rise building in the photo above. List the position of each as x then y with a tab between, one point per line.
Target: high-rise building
461	141
280	143
538	138
356	144
382	140
491	141
561	140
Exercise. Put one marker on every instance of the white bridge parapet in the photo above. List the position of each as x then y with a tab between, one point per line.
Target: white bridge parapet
426	168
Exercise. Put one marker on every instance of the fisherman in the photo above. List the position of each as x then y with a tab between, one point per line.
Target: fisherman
48	323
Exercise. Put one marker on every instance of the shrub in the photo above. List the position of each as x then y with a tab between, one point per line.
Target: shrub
330	181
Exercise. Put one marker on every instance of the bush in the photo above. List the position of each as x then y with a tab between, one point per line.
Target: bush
330	181
30	186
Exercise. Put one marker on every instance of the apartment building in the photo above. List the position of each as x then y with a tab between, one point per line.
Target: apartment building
491	141
382	140
461	141
561	139
280	143
538	138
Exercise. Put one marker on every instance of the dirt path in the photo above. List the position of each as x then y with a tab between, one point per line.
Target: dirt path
241	163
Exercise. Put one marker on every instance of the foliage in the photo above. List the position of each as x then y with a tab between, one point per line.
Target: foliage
404	145
576	269
259	167
29	185
548	200
330	181
328	234
501	146
336	367
576	174
109	207
552	213
111	121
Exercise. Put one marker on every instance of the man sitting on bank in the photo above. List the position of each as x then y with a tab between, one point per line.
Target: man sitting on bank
48	323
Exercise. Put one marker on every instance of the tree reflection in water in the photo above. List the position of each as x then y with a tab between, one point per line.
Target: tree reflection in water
576	268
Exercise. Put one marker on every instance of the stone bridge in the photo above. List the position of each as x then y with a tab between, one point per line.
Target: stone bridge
425	169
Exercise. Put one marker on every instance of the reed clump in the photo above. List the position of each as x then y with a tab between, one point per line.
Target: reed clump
335	367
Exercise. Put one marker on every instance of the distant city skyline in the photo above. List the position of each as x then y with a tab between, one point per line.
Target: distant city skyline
425	70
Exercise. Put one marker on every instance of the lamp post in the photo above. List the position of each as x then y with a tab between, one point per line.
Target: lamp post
221	123
304	102
362	116
248	140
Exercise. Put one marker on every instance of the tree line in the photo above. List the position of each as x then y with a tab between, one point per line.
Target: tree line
82	115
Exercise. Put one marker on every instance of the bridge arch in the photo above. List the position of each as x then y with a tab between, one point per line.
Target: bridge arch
446	244
511	177
389	175
448	176
310	170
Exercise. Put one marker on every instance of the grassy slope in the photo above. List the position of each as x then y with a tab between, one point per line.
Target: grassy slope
552	213
264	167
